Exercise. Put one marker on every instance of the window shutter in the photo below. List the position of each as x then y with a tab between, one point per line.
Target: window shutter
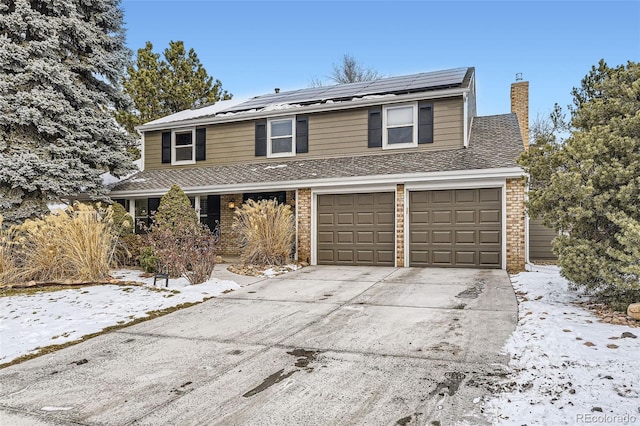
166	147
302	134
375	127
261	138
213	211
425	122
152	205
201	144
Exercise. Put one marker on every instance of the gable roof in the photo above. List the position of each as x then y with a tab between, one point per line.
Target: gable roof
323	97
495	144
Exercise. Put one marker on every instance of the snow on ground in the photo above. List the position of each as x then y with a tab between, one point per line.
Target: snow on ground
568	368
45	318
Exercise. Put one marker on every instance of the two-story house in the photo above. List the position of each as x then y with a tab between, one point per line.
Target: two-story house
398	171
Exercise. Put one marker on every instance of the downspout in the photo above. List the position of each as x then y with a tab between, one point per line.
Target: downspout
465	119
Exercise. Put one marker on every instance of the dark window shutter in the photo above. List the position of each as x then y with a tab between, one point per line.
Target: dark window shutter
425	122
302	134
152	205
213	211
201	144
166	147
261	138
375	127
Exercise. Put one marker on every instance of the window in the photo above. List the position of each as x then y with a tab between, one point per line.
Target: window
399	124
280	138
183	146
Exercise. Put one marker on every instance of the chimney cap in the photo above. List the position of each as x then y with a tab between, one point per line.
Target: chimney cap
518	76
277	90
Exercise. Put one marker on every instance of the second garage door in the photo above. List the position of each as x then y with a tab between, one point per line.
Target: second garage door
456	228
356	229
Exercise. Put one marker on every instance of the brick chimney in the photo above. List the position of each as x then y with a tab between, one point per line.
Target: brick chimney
520	106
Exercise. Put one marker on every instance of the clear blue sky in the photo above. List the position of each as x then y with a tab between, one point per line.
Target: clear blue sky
253	47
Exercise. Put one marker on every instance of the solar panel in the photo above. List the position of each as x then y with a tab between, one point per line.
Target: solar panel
414	82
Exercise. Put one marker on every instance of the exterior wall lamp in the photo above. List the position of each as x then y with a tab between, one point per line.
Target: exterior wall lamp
232	204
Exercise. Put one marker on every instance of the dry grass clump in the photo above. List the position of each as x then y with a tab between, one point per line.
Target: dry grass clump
7	254
74	244
267	232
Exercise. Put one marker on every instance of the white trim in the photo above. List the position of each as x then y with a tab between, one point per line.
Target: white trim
344	182
142	150
319	107
175	162
291	153
414	127
314	228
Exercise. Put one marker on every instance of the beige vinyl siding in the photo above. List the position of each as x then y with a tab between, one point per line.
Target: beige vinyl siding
331	134
540	242
153	150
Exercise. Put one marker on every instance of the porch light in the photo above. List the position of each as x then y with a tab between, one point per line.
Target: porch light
232	204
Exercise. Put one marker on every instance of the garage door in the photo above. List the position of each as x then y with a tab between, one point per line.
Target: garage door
356	229
456	228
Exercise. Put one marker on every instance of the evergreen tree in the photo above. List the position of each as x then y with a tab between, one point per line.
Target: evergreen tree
175	209
589	186
159	87
61	64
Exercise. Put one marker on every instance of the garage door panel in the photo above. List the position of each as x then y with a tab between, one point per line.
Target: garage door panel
386	257
440	197
466	258
442	237
325	219
419	257
344	218
365	237
365	218
465	196
419	237
489	216
419	217
464	230
325	256
385	218
386	237
442	216
465	237
490	195
442	257
489	237
325	237
466	216
356	229
489	258
345	237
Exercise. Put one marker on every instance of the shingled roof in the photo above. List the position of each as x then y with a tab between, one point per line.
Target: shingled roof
495	143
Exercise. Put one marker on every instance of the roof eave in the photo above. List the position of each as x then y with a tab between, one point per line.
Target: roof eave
501	173
307	109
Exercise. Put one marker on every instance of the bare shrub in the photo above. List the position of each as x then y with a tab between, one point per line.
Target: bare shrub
267	231
75	244
186	249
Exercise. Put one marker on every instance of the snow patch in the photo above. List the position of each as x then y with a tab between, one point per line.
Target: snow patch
279	166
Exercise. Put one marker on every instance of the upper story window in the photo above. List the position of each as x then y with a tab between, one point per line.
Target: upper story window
281	135
400	130
400	126
183	146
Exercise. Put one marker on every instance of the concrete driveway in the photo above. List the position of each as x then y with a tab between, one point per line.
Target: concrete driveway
319	346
